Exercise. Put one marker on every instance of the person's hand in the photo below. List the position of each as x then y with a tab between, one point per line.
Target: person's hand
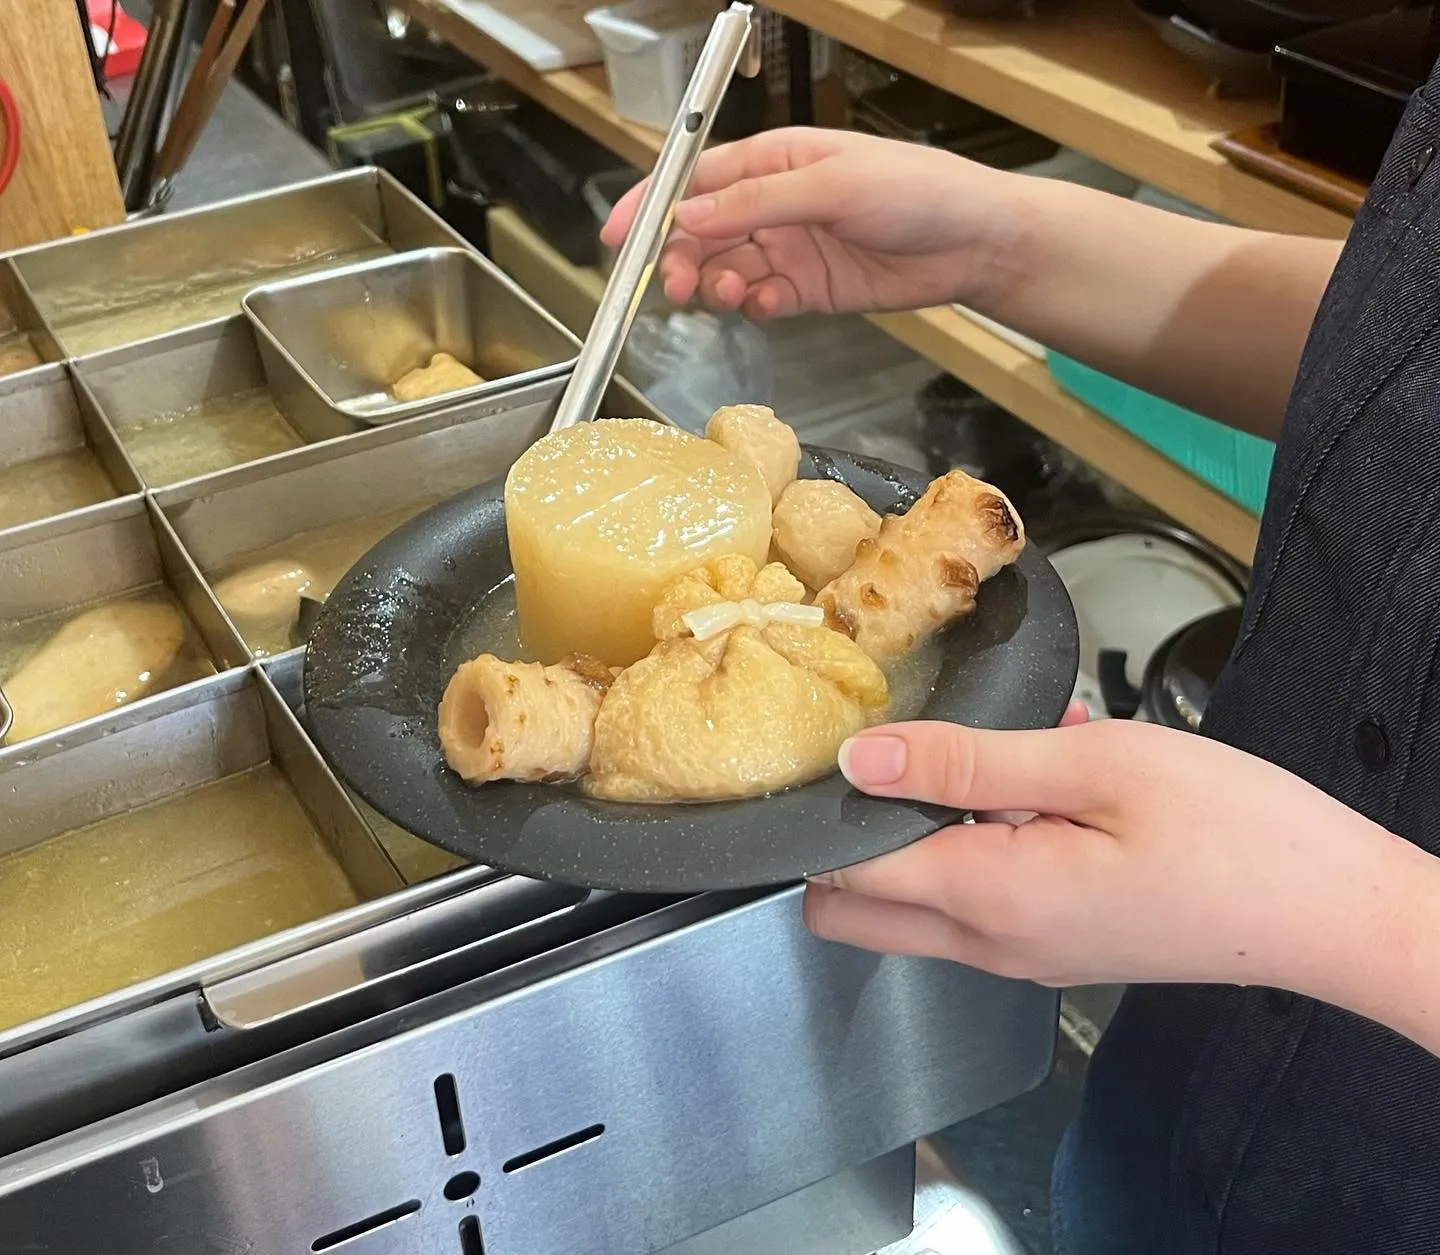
1156	855
797	221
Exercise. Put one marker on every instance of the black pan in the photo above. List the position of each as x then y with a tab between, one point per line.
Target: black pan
384	648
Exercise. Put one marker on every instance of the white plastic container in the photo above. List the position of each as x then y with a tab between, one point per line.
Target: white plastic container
651	47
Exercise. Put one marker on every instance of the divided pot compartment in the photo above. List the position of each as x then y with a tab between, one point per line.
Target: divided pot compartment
57	454
161	838
144	322
25	340
200	401
135	281
351	334
101	610
249	529
416	859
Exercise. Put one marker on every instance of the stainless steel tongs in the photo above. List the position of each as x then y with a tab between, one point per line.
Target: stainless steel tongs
733	44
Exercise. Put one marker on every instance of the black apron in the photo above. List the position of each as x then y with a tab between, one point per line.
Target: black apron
1253	1122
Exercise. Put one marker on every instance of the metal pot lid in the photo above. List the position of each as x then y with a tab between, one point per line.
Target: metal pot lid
1185	669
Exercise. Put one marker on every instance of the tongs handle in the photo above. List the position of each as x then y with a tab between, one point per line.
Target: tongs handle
733	36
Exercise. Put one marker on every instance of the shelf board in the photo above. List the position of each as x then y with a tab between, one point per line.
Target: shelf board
994	366
1021	383
1090	75
580	96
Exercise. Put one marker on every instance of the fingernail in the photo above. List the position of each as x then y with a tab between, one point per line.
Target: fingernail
866	761
821	878
693	211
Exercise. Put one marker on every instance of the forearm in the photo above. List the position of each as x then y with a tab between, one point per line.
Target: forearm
1371	944
1211	317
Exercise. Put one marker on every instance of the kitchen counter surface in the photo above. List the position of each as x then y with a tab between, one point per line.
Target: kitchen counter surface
246	147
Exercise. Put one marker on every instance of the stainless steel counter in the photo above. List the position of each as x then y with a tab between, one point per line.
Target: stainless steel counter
246	148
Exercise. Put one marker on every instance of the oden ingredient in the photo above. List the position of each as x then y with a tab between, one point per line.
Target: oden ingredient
924	567
818	526
521	720
103	658
753	433
603	515
444	374
262	591
747	711
263	601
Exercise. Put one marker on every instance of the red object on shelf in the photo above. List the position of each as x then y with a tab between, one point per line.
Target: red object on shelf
9	135
127	39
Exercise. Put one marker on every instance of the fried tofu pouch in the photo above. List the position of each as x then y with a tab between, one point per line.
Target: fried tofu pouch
745	712
521	720
923	568
443	375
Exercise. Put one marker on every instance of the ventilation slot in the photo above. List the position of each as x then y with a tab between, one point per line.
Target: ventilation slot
447	1105
361	1227
471	1243
551	1149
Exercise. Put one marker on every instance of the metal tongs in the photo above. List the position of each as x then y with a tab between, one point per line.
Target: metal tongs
733	44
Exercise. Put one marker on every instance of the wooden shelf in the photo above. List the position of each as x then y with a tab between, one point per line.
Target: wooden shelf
580	96
1008	375
1090	75
1022	384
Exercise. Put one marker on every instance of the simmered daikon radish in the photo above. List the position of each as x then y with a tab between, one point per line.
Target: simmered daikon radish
602	516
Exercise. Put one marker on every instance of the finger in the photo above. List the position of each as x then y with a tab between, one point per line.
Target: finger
723	290
949	871
1057	771
789	198
775	297
726	276
1075	714
684	262
888	927
746	258
718	167
679	269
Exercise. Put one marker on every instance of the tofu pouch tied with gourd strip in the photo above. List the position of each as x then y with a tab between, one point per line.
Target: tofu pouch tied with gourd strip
746	692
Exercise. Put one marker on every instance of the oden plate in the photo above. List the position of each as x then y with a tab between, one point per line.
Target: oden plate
385	647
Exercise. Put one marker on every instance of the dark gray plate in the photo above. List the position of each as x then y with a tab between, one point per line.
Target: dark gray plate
384	649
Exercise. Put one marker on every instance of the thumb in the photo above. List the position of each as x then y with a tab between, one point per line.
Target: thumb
1059	771
789	198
